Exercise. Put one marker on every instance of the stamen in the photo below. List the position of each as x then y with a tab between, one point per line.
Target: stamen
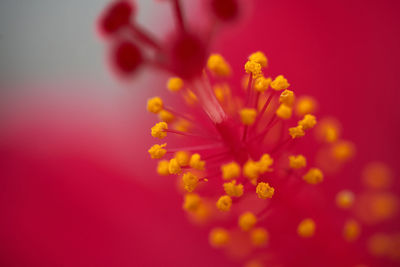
190	134
196	148
264	108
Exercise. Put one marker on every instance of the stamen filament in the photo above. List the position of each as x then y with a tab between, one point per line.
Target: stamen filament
189	134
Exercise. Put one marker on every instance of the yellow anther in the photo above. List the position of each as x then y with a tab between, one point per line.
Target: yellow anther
296	132
351	230
284	112
191	202
218	65
328	130
297	162
287	98
190	181
196	162
264	190
174	84
305	105
377	175
247	220
313	176
224	203
344	199
157	151
190	97
253	68
251	170
182	157
280	83
343	150
166	116
154	105
233	190
218	237
230	170
163	167
308	121
157	130
182	125
261	84
265	163
259	237
306	228
219	93
260	58
248	115
174	167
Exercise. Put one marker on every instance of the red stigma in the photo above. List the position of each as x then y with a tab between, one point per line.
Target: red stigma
116	16
126	57
225	9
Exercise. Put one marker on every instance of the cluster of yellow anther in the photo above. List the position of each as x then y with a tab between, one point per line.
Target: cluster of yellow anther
285	109
297	162
261	84
230	170
217	65
232	189
157	151
306	228
264	190
248	115
191	202
174	167
313	176
260	58
280	83
158	130
253	68
190	181
284	112
253	169
196	162
308	122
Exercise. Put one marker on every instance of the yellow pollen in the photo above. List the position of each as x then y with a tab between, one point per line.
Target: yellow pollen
351	230
259	237
264	190
191	202
224	203
284	112
248	115
287	98
233	190
175	84
219	93
218	237
157	151
306	228
297	162
328	130
254	68
308	121
261	84
296	132
218	66
280	83
182	157
190	181
313	176
305	105
343	150
247	220
182	125
344	199
251	170
163	167
260	58
196	162
157	130
154	105
166	116
190	97
174	167
265	163
230	170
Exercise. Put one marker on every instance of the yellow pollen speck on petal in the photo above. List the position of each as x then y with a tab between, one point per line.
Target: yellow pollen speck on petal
230	170
163	167
287	98
157	151
261	84
166	116
313	176
174	167
183	158
297	162
284	112
218	66
264	190
196	162
259	237
218	237
308	121
174	84
260	58
265	163
343	150
305	105
351	230
224	203
157	130
154	105
233	190
306	228
253	68
280	83
251	170
296	132
248	115
191	202
190	181
344	199
377	175
247	221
